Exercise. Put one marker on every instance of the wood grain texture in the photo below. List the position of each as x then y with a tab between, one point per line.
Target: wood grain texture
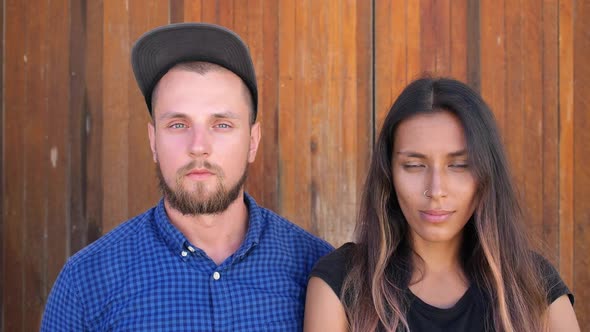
581	174
58	157
14	180
550	100
36	163
76	160
142	184
566	141
115	114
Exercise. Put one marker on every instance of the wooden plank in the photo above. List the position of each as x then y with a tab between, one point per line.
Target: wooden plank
492	59
76	221
513	116
550	131
209	11
192	11
473	45
89	228
581	136
389	48
268	78
14	176
303	106
428	35
142	184
442	20
227	10
532	94
59	199
315	70
36	159
365	103
287	46
176	11
411	19
2	175
458	39
566	141
251	31
115	114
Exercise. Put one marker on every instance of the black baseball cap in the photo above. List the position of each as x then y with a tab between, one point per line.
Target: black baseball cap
160	49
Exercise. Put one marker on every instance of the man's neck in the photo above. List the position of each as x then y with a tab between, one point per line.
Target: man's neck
218	235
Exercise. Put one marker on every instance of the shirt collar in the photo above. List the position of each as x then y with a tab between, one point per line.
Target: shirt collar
177	242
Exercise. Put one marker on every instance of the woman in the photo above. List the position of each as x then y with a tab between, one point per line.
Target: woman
440	244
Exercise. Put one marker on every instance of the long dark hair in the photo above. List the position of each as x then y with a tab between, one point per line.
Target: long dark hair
495	253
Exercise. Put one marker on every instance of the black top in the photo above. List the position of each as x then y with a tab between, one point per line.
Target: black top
470	313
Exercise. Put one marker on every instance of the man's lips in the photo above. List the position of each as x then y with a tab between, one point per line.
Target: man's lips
199	174
435	216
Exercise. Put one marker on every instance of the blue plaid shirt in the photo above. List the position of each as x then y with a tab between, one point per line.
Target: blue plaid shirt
145	276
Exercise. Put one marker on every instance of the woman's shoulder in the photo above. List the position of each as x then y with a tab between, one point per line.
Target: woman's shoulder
334	267
554	285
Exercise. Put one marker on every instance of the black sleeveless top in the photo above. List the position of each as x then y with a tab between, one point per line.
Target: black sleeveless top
470	313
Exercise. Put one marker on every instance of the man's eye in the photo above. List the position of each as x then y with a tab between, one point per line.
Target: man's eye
223	126
177	125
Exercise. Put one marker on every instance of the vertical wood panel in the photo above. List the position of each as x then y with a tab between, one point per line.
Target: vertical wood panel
115	113
550	99
35	163
512	113
581	174
58	131
91	162
14	203
533	117
2	175
142	185
566	141
492	57
458	39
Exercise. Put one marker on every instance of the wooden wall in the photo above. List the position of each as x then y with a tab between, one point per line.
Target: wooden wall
75	154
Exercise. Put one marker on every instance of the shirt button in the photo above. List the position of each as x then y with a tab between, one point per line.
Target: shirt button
216	275
184	253
191	249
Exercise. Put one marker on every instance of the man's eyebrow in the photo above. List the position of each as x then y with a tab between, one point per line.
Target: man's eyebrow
172	115
226	115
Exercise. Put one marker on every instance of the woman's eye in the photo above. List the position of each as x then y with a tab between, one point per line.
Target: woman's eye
460	165
413	166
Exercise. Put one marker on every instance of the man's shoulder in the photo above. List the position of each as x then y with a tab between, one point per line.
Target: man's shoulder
283	229
124	236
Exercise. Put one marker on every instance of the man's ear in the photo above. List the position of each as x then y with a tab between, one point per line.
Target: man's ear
254	141
152	137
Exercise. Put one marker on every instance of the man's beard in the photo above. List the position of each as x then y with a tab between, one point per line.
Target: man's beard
198	201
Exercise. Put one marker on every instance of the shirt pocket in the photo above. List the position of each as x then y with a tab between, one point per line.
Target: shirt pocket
285	325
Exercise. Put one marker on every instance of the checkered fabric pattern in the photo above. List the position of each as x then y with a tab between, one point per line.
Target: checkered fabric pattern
145	276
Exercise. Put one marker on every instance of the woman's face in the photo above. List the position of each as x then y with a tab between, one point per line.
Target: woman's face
433	181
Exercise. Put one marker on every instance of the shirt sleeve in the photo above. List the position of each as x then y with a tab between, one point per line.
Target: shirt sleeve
63	310
554	285
332	268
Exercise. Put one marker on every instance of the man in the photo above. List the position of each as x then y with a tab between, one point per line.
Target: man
206	258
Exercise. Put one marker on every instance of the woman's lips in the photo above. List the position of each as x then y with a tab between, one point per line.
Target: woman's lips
435	216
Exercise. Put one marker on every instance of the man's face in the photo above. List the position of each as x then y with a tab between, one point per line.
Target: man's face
201	139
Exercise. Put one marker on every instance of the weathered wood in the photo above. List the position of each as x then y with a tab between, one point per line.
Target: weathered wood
566	141
581	158
14	175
